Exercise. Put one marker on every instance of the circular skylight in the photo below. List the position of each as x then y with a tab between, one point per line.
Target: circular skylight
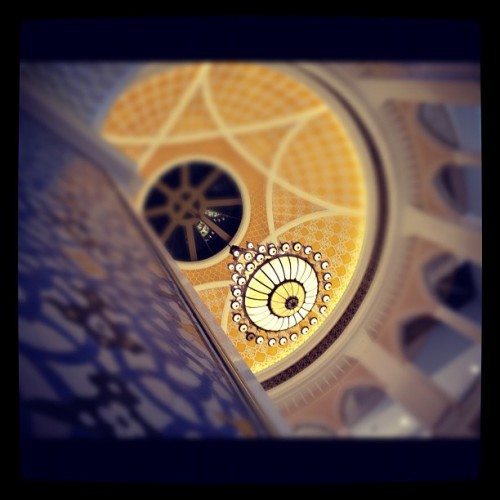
195	208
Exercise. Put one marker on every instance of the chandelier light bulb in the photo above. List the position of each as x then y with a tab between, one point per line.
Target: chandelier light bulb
236	317
324	265
259	340
272	342
317	257
282	340
307	250
294	337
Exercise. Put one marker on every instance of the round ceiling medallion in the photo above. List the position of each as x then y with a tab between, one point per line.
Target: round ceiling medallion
281	293
278	291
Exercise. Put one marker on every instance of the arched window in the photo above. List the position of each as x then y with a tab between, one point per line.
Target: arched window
451	360
457	284
369	412
459	127
460	187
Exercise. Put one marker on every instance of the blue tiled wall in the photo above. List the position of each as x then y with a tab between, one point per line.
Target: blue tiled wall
84	89
107	348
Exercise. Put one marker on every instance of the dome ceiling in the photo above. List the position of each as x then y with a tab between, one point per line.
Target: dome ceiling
291	161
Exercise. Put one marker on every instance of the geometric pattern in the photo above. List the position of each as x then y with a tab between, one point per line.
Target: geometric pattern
107	347
291	150
342	252
322	161
287	206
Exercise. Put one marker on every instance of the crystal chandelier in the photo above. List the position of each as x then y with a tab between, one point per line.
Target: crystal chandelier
278	291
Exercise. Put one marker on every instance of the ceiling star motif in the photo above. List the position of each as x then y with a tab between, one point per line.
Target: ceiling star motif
299	178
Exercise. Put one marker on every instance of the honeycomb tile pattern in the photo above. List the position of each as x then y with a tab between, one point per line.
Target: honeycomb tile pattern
144	107
263	144
287	206
322	161
215	298
294	155
195	118
248	93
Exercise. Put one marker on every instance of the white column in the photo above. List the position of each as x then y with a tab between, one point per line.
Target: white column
401	380
458	239
459	322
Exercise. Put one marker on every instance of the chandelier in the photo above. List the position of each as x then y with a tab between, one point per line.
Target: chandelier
278	291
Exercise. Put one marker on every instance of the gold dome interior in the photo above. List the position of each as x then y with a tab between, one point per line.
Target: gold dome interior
301	176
